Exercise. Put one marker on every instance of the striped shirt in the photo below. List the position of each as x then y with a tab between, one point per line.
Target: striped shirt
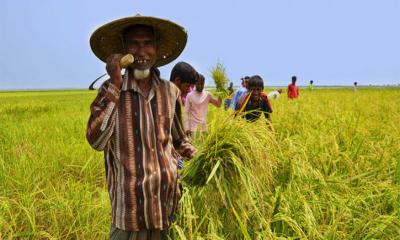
140	160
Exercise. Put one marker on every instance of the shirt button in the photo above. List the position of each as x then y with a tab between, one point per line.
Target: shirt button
152	149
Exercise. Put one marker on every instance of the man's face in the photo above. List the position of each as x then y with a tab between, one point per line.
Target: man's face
183	87
140	42
255	93
246	83
200	85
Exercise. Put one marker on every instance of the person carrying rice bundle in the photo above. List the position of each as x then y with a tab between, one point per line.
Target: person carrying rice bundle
255	102
196	108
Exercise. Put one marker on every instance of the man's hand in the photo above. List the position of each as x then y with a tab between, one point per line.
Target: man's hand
114	70
187	150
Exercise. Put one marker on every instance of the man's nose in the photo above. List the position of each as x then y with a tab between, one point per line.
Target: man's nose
141	49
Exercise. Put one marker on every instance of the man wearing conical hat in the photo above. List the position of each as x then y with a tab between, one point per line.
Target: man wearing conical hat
131	120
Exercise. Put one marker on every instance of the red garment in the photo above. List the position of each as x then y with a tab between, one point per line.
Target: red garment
293	91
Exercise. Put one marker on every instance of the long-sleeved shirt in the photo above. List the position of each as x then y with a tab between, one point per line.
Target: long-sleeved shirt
293	91
238	95
196	109
141	163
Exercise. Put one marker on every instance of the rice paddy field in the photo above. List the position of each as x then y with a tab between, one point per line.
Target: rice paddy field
328	168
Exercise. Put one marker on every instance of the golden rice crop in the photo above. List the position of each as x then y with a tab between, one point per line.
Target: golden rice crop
330	169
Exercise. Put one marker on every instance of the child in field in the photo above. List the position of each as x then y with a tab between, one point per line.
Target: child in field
196	107
230	96
293	90
355	87
255	101
311	86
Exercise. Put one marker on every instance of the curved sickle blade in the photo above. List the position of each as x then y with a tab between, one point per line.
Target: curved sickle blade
92	84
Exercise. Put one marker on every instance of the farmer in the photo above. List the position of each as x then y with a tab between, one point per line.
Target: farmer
311	85
131	120
293	90
274	94
354	86
255	102
240	92
184	76
196	108
228	99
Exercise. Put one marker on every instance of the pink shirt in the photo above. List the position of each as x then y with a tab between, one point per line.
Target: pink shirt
196	109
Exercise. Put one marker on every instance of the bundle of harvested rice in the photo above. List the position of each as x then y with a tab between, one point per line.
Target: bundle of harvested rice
221	80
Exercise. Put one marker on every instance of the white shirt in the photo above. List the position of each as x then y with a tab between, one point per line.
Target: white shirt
273	95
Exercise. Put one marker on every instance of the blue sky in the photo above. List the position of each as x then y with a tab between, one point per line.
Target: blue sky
45	43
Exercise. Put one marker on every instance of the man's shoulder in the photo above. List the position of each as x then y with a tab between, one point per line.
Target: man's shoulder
242	89
168	84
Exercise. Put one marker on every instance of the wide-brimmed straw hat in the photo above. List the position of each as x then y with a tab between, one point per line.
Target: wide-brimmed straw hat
171	37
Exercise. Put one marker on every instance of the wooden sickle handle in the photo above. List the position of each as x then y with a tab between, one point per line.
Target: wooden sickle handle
126	61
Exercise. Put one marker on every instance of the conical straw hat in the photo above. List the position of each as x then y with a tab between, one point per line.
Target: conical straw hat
171	37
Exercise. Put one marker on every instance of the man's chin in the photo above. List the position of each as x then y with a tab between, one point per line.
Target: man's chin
141	74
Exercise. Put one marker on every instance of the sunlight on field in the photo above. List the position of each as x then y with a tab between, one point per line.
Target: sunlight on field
329	170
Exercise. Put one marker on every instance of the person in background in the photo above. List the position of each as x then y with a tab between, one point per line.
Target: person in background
230	88
240	92
354	86
255	102
184	76
293	90
196	108
311	86
228	99
274	94
183	97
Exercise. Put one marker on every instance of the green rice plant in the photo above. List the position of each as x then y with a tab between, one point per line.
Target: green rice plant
218	74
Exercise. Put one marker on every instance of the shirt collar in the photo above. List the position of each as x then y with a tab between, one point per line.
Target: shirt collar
130	84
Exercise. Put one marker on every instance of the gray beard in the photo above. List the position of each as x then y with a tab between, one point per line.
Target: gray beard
141	74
